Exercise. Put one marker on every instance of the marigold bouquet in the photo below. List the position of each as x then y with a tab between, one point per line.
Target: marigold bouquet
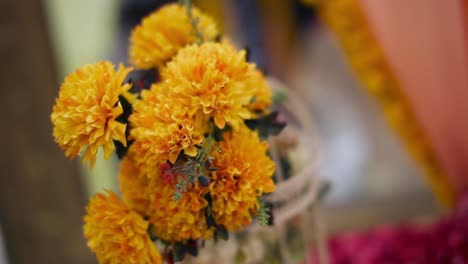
190	130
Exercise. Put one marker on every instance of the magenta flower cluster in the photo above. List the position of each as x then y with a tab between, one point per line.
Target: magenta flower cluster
443	242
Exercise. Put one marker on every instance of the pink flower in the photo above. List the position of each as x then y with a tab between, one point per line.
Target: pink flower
443	242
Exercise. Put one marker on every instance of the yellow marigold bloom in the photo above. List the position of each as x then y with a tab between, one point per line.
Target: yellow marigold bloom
130	97
116	234
211	80
262	93
179	220
245	173
134	184
262	97
164	32
162	128
85	112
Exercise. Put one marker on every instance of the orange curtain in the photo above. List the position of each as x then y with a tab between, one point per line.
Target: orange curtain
425	43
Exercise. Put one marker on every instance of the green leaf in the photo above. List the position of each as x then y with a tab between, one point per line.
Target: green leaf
209	217
267	125
179	251
152	236
120	149
192	247
264	213
218	133
222	232
208	198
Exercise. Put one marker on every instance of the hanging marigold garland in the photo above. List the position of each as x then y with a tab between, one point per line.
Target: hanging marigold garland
346	19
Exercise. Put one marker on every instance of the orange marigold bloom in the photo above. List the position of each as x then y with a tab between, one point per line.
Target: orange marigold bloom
179	220
164	32
245	173
262	93
262	97
211	80
116	234
162	128
85	112
134	184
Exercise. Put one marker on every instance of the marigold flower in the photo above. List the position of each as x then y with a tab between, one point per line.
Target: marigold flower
164	32
211	80
262	94
245	173
134	184
179	220
162	129
116	234
85	112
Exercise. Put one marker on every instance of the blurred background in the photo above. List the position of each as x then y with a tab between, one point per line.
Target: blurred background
374	178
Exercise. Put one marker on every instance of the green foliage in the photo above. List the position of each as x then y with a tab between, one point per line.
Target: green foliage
192	247
267	125
221	232
193	20
180	188
190	170
218	133
280	96
152	236
179	251
208	214
263	215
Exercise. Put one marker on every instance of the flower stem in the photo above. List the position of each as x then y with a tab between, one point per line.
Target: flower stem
193	20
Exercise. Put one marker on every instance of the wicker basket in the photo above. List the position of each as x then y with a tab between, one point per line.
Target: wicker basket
295	210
